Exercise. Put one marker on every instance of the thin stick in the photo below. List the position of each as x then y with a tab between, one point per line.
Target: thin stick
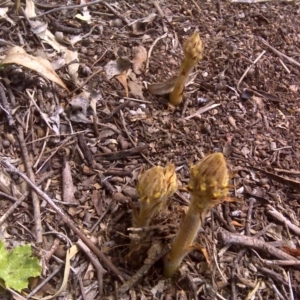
116	13
35	198
10	168
202	110
199	9
95	262
245	241
55	135
44	282
278	216
248	69
155	253
13	207
53	152
289	59
66	7
151	49
6	106
43	149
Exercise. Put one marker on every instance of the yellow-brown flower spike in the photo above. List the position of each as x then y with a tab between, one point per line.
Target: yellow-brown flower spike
154	187
193	50
208	184
208	187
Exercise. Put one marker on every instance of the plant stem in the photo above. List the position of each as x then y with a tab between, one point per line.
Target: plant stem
183	242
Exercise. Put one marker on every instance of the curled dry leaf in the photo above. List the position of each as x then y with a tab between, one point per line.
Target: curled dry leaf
139	57
167	86
116	67
123	80
17	55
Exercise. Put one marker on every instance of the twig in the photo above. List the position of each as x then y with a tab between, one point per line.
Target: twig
248	69
249	216
198	7
281	262
85	150
66	8
95	262
251	242
132	141
278	216
13	207
34	291
202	110
53	152
289	59
242	252
228	218
53	248
290	287
116	13
137	100
86	81
43	148
116	110
151	49
6	106
156	5
274	275
284	66
83	293
155	253
10	168
122	154
55	135
35	198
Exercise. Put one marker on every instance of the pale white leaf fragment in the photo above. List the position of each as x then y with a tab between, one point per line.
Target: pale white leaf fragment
139	57
3	15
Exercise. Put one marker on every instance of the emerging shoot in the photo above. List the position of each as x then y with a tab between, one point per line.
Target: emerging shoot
154	187
193	49
208	187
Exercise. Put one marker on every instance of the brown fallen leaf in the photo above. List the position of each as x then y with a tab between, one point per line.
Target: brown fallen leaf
167	86
116	67
136	89
17	55
162	88
123	80
139	57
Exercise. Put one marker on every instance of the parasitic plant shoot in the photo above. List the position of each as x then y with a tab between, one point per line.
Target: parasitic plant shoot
154	187
193	50
208	187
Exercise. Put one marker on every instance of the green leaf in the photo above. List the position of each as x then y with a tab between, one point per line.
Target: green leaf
17	266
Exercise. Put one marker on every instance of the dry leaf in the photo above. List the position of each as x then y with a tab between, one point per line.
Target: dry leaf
77	108
123	80
17	55
136	89
167	86
116	67
139	57
139	27
71	56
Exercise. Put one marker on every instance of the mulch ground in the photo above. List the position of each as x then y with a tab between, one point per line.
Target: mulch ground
84	145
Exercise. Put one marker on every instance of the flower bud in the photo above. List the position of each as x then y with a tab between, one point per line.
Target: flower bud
154	187
209	181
